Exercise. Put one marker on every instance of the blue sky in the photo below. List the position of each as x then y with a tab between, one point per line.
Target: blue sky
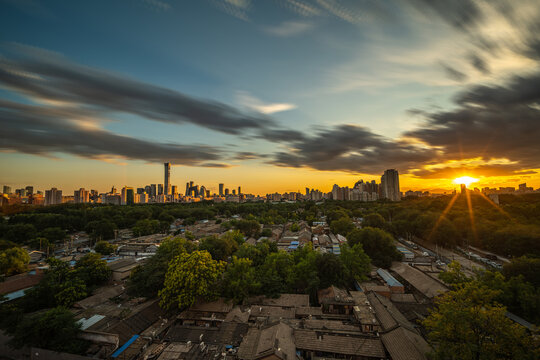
306	67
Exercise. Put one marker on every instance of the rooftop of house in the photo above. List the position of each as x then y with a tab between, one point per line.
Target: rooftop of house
403	344
287	300
219	306
312	340
334	295
425	284
276	339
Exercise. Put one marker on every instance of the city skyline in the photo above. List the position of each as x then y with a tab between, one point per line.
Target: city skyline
279	95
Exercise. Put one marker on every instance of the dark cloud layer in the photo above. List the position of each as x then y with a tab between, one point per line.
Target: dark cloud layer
492	122
351	148
44	131
48	76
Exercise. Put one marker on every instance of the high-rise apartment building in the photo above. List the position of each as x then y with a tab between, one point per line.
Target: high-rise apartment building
221	189
167	181
128	196
7	189
53	196
81	196
29	190
390	185
160	189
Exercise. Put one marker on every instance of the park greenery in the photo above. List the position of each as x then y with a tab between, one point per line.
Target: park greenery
227	266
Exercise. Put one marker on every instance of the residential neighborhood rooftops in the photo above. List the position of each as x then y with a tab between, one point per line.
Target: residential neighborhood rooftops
342	345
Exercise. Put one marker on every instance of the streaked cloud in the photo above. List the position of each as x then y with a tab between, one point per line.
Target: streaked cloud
44	131
245	99
289	28
49	76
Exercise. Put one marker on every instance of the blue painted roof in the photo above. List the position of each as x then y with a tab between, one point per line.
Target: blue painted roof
295	243
404	250
125	346
389	279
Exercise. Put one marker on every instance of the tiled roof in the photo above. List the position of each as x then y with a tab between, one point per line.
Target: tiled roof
334	344
403	344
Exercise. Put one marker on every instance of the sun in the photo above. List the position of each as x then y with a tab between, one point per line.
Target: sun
467	180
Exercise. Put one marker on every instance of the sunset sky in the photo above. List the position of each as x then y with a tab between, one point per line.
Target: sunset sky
269	95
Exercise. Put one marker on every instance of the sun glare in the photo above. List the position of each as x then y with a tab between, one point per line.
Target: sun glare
467	180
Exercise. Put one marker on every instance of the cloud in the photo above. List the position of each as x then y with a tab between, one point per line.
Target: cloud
158	5
491	122
237	8
46	75
479	63
289	28
45	131
251	102
452	73
353	149
474	171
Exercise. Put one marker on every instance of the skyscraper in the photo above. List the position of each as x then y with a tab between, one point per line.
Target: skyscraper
239	190
221	189
160	189
7	189
167	181
53	196
81	196
29	190
390	185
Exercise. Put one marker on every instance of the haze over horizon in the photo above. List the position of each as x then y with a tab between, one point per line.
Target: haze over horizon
270	96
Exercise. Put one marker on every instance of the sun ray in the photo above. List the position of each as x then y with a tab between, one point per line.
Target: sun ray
443	214
471	215
495	206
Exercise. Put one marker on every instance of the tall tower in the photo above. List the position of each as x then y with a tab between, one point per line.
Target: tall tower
390	185
221	189
167	181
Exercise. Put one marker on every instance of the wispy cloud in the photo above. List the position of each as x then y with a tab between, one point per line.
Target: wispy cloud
237	8
289	28
46	131
158	5
45	75
245	99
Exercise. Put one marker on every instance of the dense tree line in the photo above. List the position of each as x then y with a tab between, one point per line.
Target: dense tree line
245	270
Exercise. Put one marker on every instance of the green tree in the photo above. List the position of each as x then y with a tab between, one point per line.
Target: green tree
54	234
528	267
468	324
55	330
239	280
59	286
454	275
92	270
331	270
147	279
342	226
356	263
219	247
190	277
374	220
273	274
250	228
102	229
146	227
105	247
377	244
21	233
13	261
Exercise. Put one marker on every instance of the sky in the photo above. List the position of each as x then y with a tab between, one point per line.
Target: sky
273	96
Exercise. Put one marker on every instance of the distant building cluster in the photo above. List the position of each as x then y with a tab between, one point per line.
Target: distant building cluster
361	191
388	188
